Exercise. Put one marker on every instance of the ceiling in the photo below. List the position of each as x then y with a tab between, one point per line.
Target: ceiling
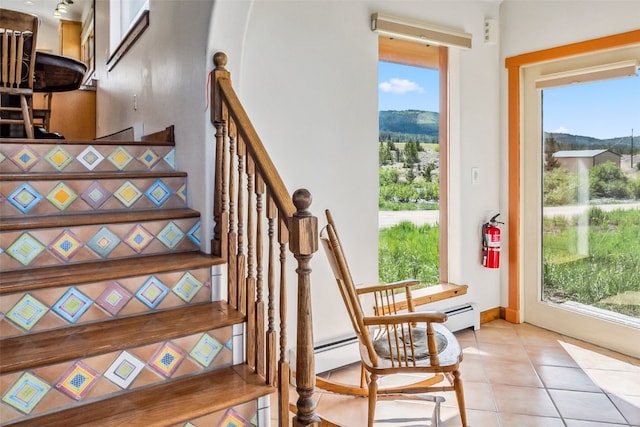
44	9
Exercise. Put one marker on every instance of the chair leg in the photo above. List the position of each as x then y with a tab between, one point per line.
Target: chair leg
457	385
26	116
373	397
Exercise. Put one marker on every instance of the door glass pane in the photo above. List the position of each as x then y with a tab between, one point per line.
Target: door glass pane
591	198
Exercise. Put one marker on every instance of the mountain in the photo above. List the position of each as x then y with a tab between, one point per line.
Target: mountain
620	145
409	125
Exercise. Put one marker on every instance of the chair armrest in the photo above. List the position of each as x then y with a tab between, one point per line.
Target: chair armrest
399	319
406	284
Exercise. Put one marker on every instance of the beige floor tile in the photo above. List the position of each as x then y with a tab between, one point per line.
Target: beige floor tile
589	356
566	378
472	369
496	335
513	352
579	405
524	401
629	406
581	423
518	420
553	356
617	382
532	335
512	373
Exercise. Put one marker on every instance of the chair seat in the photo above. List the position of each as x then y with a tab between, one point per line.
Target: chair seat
449	351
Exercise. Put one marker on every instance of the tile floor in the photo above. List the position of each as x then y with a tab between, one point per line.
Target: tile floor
514	376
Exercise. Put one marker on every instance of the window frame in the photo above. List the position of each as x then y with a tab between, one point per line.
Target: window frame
434	57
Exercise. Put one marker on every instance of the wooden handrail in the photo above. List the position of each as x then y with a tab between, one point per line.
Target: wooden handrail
254	143
250	197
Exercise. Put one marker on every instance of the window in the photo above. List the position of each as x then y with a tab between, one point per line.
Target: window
127	20
413	163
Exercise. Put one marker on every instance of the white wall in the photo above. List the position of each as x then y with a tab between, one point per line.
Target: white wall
306	72
166	69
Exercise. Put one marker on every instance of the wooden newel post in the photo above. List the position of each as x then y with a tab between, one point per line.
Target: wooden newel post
303	243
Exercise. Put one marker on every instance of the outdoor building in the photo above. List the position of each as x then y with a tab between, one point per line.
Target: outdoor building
575	160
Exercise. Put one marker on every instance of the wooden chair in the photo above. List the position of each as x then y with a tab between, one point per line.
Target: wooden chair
18	34
42	113
393	342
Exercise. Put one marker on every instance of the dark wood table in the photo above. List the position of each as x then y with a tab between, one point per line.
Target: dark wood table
57	73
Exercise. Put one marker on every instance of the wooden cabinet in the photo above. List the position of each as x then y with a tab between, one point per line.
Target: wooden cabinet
69	35
73	114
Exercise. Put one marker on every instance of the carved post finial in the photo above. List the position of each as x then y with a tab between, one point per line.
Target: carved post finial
302	200
220	60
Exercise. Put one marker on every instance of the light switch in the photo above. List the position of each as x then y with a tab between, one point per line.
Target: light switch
475	175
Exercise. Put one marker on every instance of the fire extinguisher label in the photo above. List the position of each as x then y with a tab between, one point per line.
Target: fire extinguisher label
493	240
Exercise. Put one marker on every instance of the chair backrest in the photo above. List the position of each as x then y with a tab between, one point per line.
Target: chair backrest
18	35
338	262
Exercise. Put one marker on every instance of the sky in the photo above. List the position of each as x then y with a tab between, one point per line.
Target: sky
605	109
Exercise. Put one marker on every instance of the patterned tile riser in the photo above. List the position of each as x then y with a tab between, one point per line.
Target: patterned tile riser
48	247
245	415
82	195
53	158
30	312
76	382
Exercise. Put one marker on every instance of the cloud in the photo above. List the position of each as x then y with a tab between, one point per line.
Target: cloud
561	129
400	86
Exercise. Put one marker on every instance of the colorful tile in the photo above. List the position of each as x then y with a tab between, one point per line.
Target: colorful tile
170	158
58	157
113	298
103	242
206	350
194	233
2	157
138	238
229	344
124	370
187	287
128	194
26	393
152	292
66	245
72	305
27	312
167	359
25	249
61	196
120	158
158	193
90	158
25	158
95	195
149	158
182	192
231	419
24	198
77	380
171	235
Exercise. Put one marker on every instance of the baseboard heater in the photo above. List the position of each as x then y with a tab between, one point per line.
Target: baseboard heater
344	351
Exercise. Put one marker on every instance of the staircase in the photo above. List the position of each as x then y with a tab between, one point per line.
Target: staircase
106	310
109	313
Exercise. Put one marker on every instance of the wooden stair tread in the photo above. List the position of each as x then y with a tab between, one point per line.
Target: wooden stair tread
81	341
49	277
53	176
164	404
94	218
84	142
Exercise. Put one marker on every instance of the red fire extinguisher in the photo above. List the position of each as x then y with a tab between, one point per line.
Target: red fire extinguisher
491	243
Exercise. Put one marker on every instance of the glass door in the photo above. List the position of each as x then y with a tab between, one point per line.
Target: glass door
581	186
